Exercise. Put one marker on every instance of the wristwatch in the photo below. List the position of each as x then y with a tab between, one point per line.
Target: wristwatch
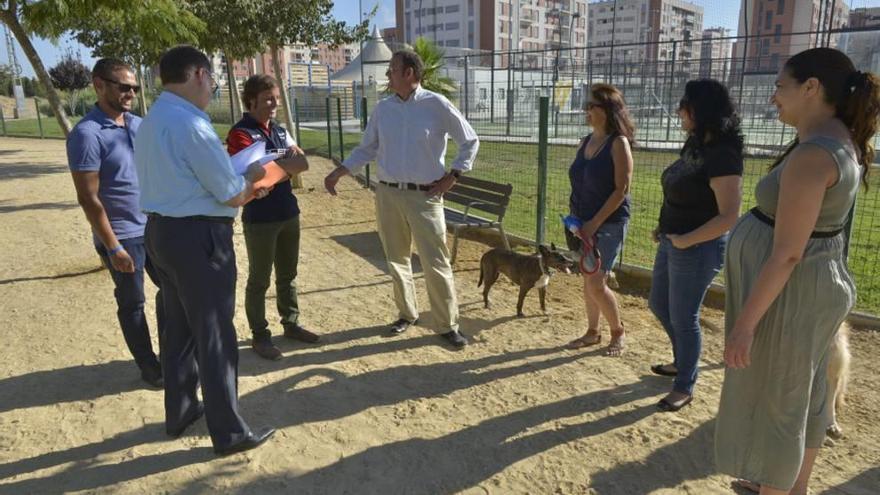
455	173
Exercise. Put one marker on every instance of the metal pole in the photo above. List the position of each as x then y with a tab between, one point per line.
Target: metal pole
363	128
507	100
613	32
465	92
492	91
830	23
3	121
742	70
847	231
329	132
541	207
339	122
39	118
296	121
669	93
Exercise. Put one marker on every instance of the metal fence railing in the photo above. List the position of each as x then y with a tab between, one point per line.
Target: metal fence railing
500	94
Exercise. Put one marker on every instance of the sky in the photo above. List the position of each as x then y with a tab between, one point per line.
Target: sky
723	13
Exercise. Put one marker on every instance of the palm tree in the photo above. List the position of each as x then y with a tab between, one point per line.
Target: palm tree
432	56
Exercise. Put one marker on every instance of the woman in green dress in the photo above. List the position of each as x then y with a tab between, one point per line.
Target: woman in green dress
788	286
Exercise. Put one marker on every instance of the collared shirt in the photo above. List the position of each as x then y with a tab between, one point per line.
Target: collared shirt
182	166
407	138
98	144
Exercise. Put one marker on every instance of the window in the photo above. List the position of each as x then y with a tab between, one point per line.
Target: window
768	21
765	46
451	42
780	7
777	33
482	93
501	93
452	26
450	9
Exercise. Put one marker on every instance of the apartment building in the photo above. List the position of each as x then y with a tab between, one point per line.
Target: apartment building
644	31
498	25
716	49
769	22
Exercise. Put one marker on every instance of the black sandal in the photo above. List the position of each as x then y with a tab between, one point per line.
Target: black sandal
666	406
663	370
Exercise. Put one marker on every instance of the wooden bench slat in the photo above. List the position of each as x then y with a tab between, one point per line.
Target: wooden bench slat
464	200
481	195
485	184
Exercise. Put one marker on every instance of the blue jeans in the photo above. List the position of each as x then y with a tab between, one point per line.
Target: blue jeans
129	293
681	278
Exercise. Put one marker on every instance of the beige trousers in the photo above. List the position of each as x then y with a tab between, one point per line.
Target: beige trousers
404	216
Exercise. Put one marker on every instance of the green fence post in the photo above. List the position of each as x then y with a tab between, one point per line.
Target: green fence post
541	207
39	119
339	122
296	122
329	131
3	121
363	128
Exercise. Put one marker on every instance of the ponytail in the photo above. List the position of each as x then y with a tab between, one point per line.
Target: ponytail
855	96
859	110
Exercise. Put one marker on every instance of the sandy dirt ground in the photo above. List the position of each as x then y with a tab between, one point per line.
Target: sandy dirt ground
359	412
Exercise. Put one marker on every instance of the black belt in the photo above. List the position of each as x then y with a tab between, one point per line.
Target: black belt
771	222
201	218
407	185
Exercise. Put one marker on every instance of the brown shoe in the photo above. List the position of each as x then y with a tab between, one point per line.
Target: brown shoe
266	349
297	332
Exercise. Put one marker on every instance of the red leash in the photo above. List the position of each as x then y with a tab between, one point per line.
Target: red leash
589	247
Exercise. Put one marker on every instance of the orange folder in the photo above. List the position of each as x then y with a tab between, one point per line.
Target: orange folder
274	175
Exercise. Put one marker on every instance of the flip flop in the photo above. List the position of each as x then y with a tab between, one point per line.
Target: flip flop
617	345
666	406
663	370
581	342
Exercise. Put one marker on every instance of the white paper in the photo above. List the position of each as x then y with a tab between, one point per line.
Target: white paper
253	153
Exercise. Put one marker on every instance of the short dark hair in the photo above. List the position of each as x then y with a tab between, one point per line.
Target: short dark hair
177	61
105	67
410	60
256	85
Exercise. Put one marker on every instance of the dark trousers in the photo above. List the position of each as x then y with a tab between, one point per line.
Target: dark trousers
129	293
679	283
195	261
271	244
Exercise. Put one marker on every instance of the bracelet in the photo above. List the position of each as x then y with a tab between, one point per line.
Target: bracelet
116	250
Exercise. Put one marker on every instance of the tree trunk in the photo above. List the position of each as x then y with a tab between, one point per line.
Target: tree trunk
142	95
288	119
234	96
11	20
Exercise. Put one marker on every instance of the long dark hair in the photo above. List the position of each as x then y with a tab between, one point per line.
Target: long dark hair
855	96
617	119
711	109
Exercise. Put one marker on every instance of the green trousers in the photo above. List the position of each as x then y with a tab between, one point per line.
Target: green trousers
271	244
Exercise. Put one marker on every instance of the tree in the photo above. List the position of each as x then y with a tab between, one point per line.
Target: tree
138	35
71	75
151	20
432	56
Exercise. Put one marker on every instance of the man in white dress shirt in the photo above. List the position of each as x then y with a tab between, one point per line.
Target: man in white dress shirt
406	135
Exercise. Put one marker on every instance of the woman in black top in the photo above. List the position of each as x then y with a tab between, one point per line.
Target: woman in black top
702	192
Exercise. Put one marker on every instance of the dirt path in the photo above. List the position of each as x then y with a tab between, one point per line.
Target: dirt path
360	413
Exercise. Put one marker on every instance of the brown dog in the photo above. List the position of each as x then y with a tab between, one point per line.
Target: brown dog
838	376
526	271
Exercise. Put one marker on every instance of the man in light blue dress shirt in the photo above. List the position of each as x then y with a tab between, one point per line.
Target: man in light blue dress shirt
407	136
191	195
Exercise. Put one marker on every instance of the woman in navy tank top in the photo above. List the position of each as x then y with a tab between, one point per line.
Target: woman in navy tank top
600	181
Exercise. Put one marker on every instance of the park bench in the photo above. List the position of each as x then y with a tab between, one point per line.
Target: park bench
478	204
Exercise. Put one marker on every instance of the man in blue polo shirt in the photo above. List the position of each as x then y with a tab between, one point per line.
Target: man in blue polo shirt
100	154
191	195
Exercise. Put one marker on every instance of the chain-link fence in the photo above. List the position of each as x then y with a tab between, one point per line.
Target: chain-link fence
499	94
